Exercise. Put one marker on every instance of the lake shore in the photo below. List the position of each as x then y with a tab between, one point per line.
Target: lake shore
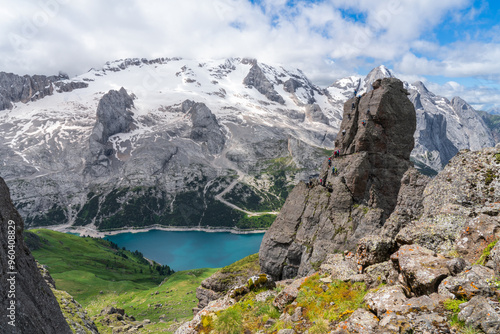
93	232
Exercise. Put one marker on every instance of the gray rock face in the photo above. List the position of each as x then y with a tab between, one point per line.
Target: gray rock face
35	309
114	116
314	114
479	313
257	79
459	210
422	269
15	88
205	128
317	220
478	281
64	87
409	205
445	127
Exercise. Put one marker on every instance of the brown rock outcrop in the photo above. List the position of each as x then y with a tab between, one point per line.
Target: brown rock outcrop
375	142
27	304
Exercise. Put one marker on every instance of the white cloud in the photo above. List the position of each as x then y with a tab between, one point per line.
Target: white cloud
74	35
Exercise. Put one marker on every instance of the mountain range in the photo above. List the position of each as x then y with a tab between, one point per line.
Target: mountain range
189	143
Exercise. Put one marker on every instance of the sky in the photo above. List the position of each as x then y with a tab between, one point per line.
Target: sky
453	46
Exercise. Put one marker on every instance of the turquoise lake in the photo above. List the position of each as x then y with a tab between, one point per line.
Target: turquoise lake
190	249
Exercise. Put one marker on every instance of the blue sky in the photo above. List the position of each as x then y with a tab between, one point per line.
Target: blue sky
451	45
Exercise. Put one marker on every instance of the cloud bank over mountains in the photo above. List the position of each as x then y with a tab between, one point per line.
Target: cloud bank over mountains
451	42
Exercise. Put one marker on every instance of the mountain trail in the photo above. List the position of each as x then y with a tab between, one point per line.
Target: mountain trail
223	161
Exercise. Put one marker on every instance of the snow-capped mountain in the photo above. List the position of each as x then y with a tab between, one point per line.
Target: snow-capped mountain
177	135
186	142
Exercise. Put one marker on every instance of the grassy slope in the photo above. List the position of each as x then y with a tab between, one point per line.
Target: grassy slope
85	266
173	300
78	265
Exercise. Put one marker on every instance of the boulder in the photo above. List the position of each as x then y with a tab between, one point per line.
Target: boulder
361	321
381	273
212	307
476	281
374	249
478	234
395	323
457	265
339	267
288	294
479	313
422	269
424	304
386	300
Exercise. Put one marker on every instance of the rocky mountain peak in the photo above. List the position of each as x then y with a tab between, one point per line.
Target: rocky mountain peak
205	128
420	87
257	79
379	72
356	191
113	116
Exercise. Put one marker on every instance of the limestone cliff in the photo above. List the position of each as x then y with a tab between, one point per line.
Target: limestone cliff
375	141
16	88
33	307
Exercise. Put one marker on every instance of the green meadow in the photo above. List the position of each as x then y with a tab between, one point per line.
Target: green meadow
98	274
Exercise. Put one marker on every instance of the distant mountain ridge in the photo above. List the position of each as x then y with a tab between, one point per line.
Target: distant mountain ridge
193	141
443	127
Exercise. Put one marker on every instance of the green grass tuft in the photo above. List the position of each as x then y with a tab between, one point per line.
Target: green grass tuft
486	253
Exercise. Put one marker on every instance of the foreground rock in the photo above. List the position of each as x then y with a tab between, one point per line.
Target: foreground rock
375	142
421	269
230	277
479	312
460	210
33	307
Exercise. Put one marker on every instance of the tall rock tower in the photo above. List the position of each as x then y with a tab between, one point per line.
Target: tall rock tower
356	191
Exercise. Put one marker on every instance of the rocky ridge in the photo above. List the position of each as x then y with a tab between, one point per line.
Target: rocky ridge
33	307
15	88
